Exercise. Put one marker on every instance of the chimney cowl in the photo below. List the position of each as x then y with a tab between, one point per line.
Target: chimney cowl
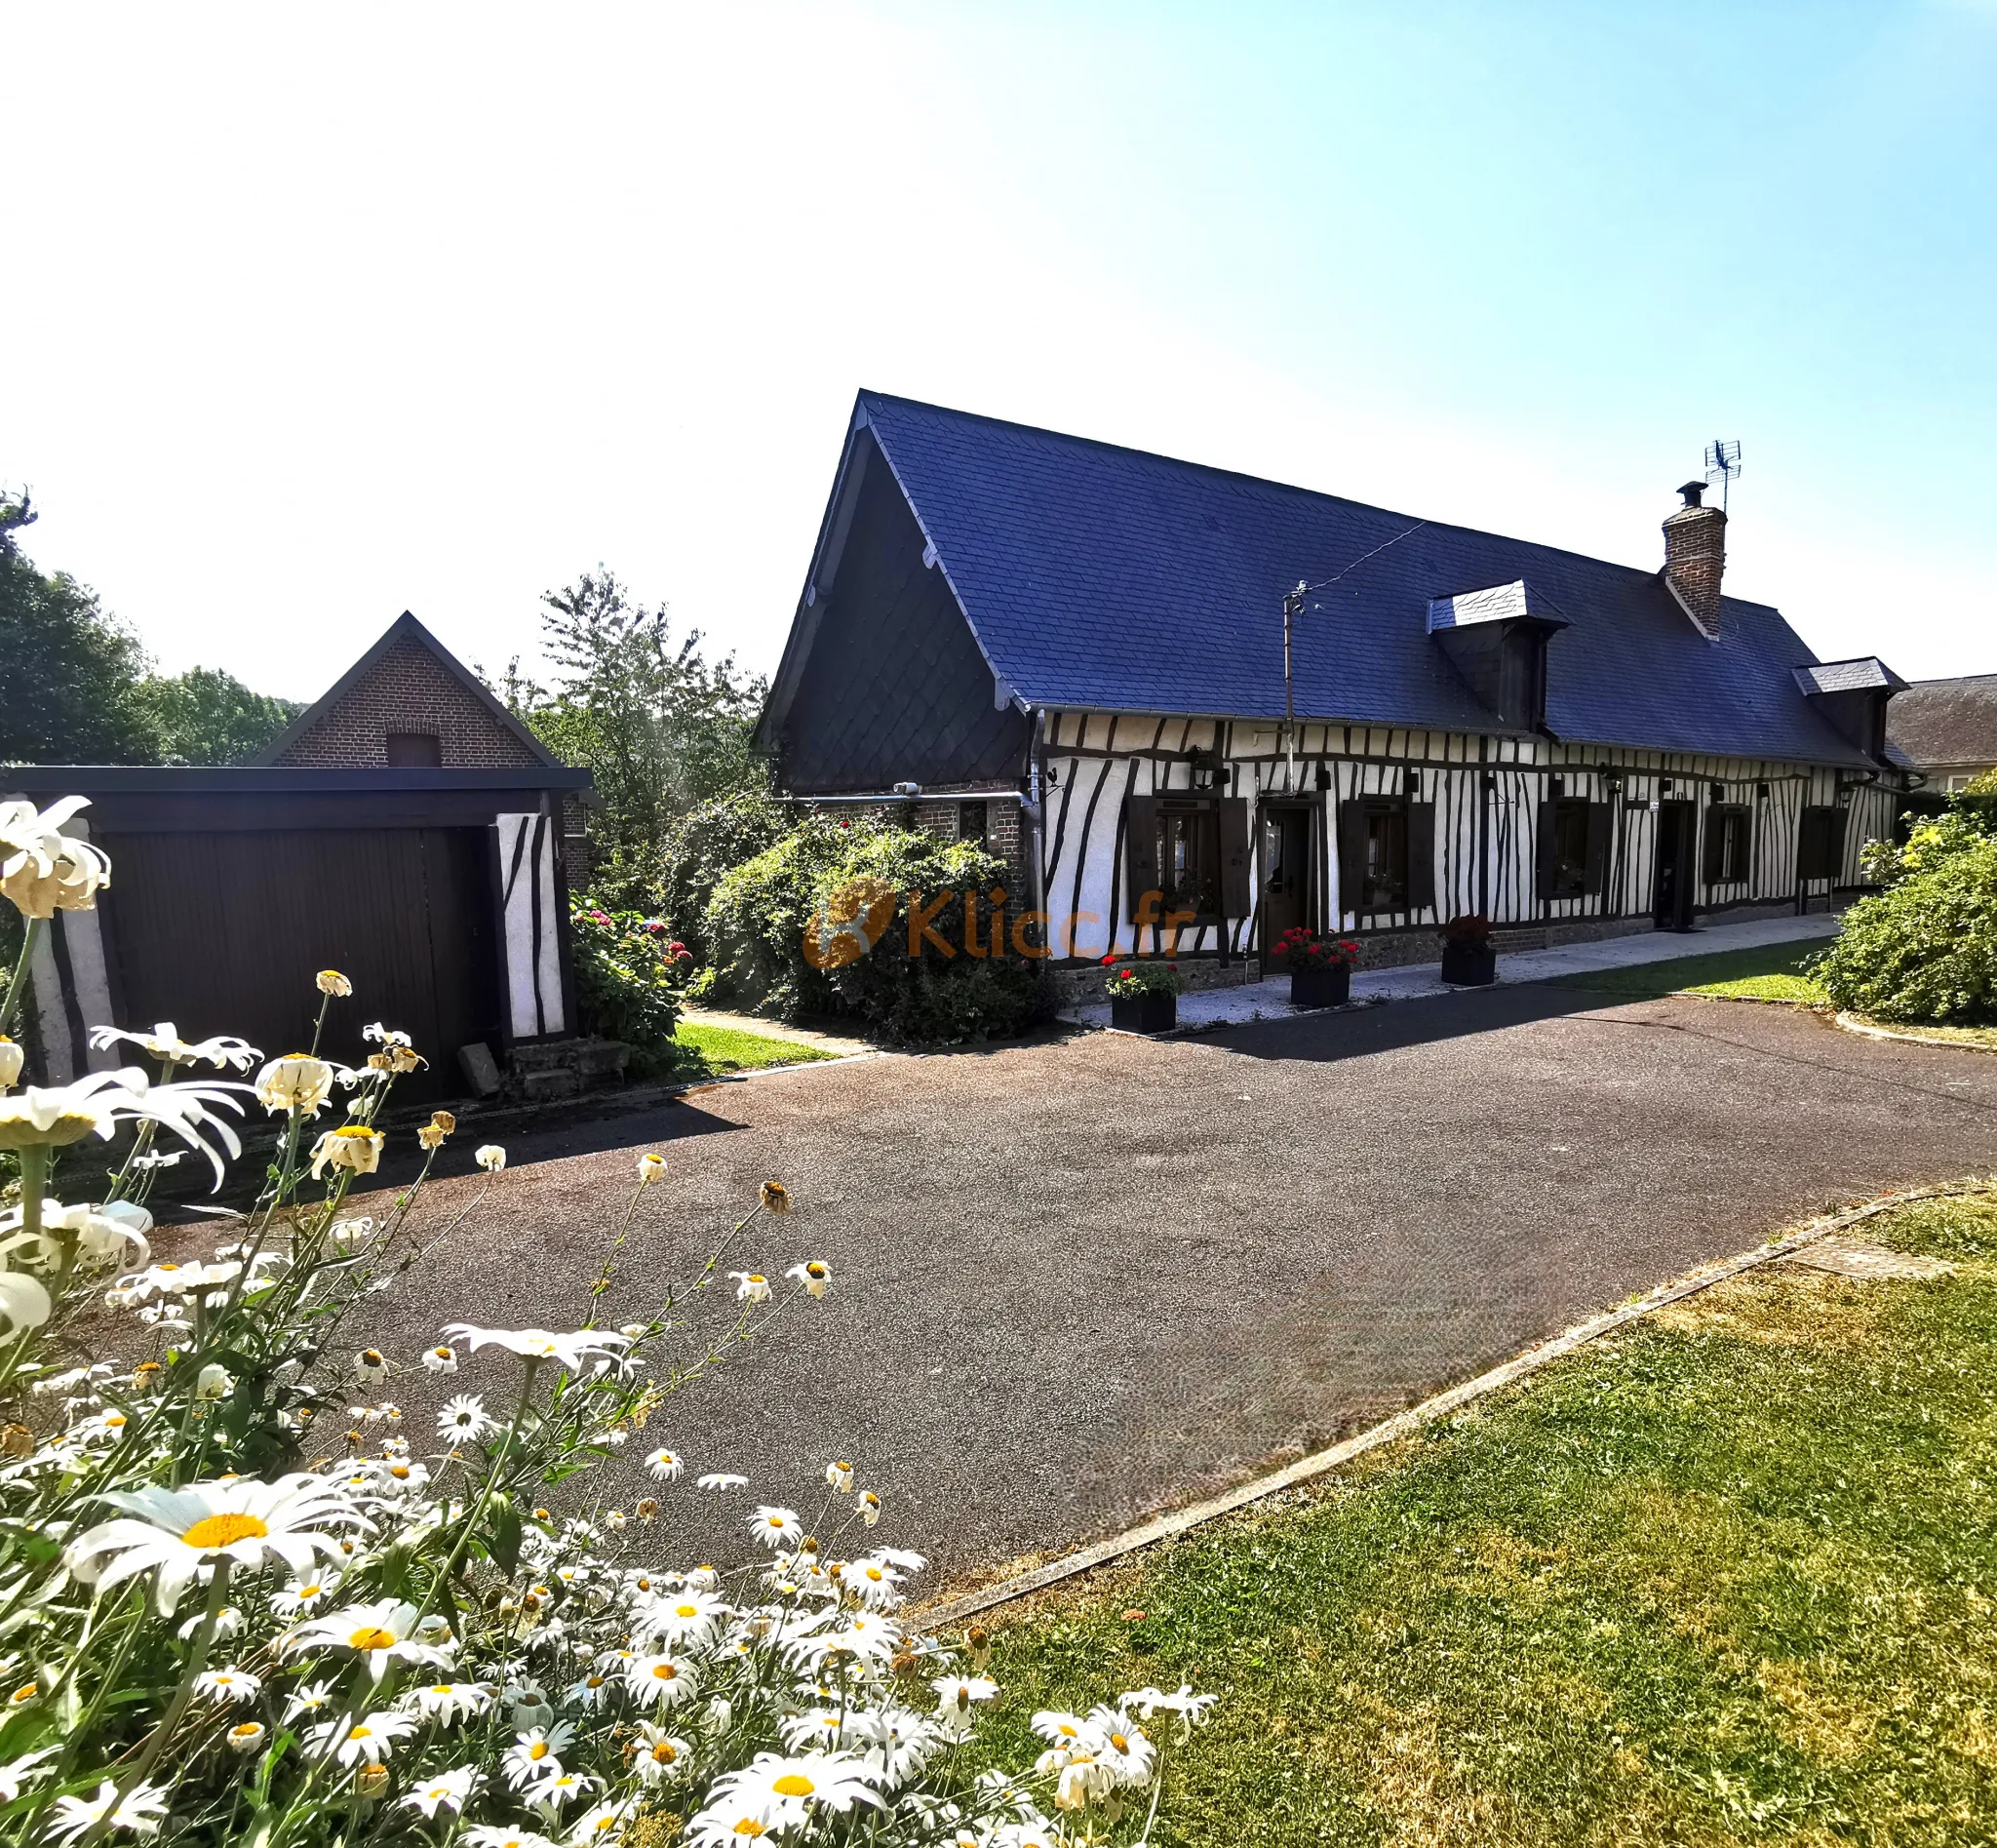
1696	557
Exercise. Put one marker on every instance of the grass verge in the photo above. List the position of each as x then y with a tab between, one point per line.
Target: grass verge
730	1049
1774	971
1727	1576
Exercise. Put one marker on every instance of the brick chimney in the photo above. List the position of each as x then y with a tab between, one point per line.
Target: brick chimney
1695	556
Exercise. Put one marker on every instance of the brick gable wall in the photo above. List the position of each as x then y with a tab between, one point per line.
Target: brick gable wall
407	689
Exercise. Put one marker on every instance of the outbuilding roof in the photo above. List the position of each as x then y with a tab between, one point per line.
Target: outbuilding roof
1106	577
1939	723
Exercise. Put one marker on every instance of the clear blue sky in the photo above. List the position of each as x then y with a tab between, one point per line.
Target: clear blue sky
314	316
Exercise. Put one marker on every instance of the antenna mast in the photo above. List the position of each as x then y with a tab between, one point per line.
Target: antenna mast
1722	465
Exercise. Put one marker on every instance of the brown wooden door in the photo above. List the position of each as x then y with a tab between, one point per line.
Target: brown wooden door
224	933
1287	885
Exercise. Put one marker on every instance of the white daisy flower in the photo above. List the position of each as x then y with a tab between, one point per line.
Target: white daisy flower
447	1791
164	1043
721	1479
536	1755
660	1681
661	1756
571	1350
246	1737
773	1526
463	1419
18	1773
814	1274
440	1359
370	1365
870	1507
681	1619
1121	1745
651	1167
491	1157
379	1633
497	1835
179	1531
315	1697
449	1701
564	1787
793	1786
370	1739
141	1813
300	1080
228	1687
665	1466
750	1286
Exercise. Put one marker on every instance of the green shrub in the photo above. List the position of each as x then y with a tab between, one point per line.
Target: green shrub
704	843
628	975
1925	948
829	875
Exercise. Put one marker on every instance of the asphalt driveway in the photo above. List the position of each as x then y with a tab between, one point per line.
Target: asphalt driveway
1081	1279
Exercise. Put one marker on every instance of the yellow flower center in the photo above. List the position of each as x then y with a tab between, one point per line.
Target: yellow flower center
874	1573
663	1753
26	1691
354	1130
248	1730
537	1751
442	1353
112	1420
665	1672
361	1732
1120	1742
686	1610
215	1531
749	1827
776	1520
373	1636
794	1784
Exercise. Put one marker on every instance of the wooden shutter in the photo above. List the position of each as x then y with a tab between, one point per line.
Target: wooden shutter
1820	844
1236	899
1834	843
1140	850
1548	867
1421	856
1351	857
1601	825
1713	860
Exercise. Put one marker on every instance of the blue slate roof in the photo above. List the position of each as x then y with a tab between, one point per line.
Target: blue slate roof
1107	578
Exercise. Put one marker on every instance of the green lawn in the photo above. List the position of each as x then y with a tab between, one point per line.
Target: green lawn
730	1049
1773	972
1729	1576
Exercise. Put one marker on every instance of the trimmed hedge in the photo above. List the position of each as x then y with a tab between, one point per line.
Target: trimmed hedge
1924	949
703	845
833	881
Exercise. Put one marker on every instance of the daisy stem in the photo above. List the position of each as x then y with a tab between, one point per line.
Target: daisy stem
17	988
197	1661
531	1366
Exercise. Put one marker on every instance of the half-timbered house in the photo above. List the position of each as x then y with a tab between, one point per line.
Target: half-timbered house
1084	653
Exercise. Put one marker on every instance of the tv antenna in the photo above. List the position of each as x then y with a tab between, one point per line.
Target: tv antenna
1722	465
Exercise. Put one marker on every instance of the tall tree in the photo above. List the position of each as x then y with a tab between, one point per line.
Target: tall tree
73	670
662	726
206	716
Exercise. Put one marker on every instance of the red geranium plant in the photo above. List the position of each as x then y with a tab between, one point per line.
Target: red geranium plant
1467	927
1125	978
1304	949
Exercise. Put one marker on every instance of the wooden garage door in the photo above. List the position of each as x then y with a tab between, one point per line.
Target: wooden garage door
224	932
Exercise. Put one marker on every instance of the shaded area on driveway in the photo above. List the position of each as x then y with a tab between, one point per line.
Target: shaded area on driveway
1077	1280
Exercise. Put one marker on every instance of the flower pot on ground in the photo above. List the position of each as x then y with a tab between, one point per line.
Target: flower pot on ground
1321	967
1144	994
1144	1013
1469	958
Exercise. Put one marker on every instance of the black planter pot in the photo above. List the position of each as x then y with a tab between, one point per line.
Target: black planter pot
1145	1013
1320	988
1469	965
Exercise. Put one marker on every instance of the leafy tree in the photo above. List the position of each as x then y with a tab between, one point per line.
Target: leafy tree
73	670
662	727
206	716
